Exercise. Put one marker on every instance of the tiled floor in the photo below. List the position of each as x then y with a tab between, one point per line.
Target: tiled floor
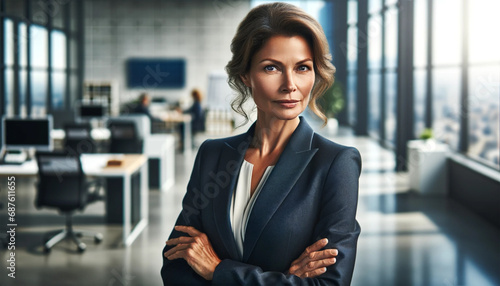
406	239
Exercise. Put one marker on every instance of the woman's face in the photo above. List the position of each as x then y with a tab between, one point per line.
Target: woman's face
281	77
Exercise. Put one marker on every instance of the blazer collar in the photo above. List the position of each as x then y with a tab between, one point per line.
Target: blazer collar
292	162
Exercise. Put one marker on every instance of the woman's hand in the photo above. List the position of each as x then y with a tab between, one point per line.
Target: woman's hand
313	262
196	249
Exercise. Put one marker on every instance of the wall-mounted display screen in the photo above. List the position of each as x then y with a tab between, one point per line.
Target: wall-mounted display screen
156	73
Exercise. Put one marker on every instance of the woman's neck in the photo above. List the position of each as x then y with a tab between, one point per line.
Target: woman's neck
271	134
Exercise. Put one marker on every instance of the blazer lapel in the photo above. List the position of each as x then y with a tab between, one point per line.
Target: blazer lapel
290	165
230	161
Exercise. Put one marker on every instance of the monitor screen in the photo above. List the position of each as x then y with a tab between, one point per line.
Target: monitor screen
86	111
21	133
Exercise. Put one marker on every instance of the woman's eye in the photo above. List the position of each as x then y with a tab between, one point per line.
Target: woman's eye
270	68
303	68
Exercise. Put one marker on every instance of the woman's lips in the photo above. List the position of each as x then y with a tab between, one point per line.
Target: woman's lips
287	103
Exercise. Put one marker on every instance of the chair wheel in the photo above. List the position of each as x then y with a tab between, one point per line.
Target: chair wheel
98	238
46	249
81	247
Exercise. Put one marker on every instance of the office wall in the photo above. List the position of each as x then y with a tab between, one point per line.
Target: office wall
198	31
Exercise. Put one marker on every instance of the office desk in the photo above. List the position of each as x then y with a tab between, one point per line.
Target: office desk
158	147
160	150
133	211
176	118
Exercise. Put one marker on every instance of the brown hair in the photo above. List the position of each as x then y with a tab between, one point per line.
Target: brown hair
142	97
196	94
264	22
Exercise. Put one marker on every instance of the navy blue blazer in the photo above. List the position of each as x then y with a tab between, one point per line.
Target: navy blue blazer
312	193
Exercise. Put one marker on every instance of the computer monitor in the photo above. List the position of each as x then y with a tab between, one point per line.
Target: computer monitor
88	111
25	133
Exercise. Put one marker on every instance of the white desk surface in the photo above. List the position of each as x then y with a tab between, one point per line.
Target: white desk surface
92	164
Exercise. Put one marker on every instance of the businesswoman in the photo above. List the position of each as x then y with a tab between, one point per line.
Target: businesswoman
276	205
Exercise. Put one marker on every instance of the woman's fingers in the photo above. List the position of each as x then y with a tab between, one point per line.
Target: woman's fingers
315	246
313	261
311	248
175	249
325	262
314	273
178	240
195	249
188	229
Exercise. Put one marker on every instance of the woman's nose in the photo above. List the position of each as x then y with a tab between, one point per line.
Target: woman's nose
288	83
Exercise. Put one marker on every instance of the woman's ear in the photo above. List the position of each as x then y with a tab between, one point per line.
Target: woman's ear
244	78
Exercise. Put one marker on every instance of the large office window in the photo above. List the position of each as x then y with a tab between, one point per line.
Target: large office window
390	106
456	75
41	57
390	71
419	101
451	61
59	64
484	81
9	53
446	105
352	59
420	62
382	70
23	67
446	62
375	112
39	73
375	40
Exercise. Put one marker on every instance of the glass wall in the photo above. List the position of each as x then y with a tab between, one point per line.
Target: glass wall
454	59
375	40
23	67
382	70
58	58
9	65
352	59
36	51
456	75
446	64
420	62
484	81
446	105
390	71
39	63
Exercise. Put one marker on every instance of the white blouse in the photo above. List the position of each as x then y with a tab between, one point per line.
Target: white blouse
242	203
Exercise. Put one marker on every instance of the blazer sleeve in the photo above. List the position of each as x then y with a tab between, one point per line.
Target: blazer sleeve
336	222
178	272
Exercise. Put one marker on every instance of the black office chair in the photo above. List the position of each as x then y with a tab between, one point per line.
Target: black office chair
62	185
78	138
124	137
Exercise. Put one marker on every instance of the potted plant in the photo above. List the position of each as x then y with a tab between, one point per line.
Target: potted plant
332	103
426	134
